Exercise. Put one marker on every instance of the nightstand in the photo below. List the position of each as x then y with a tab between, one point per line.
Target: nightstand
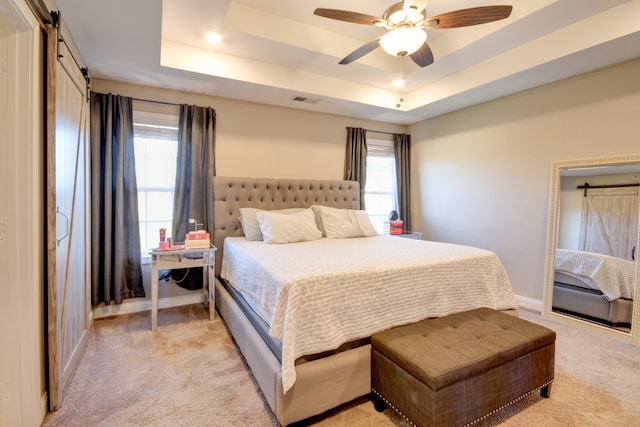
410	235
183	258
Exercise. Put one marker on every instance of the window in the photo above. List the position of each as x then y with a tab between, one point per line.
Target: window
156	147
380	189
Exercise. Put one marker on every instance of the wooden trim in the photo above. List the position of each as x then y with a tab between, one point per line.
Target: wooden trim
52	310
41	13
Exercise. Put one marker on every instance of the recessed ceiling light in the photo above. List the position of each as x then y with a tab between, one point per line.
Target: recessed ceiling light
398	82
213	38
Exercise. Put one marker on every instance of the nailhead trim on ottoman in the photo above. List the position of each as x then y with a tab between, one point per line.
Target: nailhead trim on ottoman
458	369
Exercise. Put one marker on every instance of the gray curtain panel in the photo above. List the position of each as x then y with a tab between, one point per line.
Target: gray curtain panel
402	152
355	160
193	197
115	236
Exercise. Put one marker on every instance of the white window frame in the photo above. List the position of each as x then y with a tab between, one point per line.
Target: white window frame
153	125
384	149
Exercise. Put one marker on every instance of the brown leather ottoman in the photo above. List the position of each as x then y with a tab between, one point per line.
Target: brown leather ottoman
458	369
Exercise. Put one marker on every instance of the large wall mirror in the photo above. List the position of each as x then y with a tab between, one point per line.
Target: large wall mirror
592	245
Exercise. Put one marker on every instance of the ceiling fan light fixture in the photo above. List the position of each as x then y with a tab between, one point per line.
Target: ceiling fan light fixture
214	38
403	41
397	14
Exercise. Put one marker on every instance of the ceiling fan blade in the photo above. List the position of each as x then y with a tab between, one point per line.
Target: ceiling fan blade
423	56
360	52
467	17
345	15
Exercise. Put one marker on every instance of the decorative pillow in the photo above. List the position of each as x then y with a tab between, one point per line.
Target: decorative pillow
337	224
364	222
282	228
249	222
344	223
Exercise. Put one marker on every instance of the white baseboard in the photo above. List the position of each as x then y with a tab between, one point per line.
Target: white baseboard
135	305
530	303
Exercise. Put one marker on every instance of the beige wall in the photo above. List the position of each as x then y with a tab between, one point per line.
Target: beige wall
258	140
481	175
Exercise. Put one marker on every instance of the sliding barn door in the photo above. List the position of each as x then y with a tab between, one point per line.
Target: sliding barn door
610	222
67	216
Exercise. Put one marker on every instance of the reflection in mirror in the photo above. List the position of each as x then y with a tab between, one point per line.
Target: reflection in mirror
596	242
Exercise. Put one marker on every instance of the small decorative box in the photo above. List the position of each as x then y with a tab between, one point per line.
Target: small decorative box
197	240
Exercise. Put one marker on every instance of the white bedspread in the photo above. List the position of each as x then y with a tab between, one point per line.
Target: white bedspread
614	277
317	295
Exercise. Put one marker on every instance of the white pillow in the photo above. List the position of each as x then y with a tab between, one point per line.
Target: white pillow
345	223
282	228
249	223
364	223
337	224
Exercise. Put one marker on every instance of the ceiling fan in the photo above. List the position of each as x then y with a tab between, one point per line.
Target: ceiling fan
405	23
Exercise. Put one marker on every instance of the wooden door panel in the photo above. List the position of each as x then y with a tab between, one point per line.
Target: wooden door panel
68	270
610	221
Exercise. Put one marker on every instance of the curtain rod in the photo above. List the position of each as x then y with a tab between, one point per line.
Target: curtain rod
380	131
156	102
387	133
377	131
586	186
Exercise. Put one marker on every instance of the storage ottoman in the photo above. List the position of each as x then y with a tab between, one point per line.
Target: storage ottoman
458	369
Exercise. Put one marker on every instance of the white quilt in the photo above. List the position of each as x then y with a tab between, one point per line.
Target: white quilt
614	277
317	295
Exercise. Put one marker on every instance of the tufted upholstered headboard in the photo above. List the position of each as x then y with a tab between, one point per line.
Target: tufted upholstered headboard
232	193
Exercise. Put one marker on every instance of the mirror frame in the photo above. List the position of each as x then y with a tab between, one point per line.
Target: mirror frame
552	238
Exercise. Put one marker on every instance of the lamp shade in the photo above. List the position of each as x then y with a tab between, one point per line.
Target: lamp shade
403	41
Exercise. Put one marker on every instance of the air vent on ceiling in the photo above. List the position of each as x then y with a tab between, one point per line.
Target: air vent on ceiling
305	99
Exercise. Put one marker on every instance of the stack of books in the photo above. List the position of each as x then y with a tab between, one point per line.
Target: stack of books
392	227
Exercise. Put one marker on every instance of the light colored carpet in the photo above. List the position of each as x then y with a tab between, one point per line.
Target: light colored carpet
190	373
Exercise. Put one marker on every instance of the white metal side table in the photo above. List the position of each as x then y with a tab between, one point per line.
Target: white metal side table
410	235
183	258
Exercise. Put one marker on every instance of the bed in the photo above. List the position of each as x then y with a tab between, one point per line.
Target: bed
302	370
594	286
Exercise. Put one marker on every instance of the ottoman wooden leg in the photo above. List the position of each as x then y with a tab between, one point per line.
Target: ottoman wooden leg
379	404
546	391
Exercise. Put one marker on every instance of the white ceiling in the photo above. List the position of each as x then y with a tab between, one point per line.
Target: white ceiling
273	51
